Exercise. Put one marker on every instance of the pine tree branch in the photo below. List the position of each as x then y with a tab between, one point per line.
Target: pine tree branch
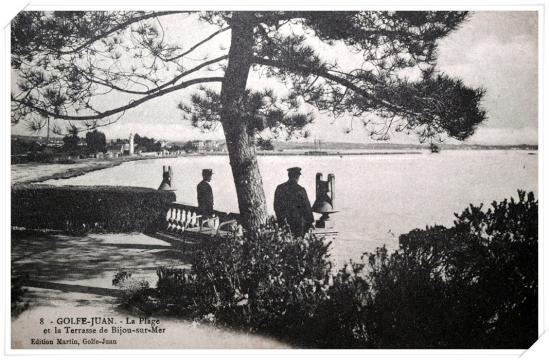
195	46
325	74
160	87
117	28
130	105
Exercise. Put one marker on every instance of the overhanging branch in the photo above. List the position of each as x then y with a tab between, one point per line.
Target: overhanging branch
130	105
160	87
327	75
117	28
195	46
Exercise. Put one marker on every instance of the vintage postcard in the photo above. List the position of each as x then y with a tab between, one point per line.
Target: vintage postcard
274	178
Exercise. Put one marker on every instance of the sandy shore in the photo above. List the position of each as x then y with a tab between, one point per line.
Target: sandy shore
38	172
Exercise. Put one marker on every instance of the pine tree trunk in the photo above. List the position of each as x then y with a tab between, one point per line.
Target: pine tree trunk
240	144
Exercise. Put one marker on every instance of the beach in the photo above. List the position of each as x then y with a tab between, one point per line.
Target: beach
38	172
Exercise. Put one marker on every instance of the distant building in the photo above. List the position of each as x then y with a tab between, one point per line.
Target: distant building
126	149
210	145
197	145
207	146
165	144
40	140
55	142
149	153
221	146
114	150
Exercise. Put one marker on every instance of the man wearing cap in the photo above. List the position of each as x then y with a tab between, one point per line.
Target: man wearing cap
291	204
204	194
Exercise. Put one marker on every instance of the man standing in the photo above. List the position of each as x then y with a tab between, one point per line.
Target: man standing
291	204
204	194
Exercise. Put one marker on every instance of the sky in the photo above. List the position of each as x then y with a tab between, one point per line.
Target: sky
496	50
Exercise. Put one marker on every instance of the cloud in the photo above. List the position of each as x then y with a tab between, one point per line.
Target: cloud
498	51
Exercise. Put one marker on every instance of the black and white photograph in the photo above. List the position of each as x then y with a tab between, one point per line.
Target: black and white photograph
297	178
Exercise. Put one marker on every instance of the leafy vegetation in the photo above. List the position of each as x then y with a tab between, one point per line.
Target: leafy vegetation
472	285
262	284
147	144
71	140
96	141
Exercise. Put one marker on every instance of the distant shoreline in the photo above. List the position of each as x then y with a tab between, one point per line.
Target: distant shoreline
46	171
329	153
351	153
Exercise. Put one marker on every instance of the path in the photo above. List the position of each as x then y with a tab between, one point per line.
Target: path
71	276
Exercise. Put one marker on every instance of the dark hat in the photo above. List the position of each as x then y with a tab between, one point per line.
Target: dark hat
294	170
206	172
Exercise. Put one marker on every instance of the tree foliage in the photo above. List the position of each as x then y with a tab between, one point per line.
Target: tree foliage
71	140
260	110
264	144
96	141
65	60
147	144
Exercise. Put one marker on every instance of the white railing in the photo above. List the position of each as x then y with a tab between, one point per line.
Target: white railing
181	218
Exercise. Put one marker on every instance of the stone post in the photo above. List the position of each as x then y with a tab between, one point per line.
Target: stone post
167	177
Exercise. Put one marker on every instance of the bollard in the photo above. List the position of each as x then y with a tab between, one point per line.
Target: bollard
167	177
325	200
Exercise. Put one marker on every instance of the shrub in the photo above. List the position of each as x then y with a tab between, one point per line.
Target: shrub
339	320
81	208
473	285
136	293
269	282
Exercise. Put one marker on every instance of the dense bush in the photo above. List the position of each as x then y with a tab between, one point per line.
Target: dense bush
271	282
81	208
42	157
136	295
473	285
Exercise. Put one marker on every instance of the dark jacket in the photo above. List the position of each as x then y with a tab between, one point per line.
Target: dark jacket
205	198
292	206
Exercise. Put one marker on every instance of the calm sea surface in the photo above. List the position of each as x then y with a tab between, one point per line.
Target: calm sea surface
378	197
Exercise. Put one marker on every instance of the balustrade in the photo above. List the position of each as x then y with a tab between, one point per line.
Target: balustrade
181	218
